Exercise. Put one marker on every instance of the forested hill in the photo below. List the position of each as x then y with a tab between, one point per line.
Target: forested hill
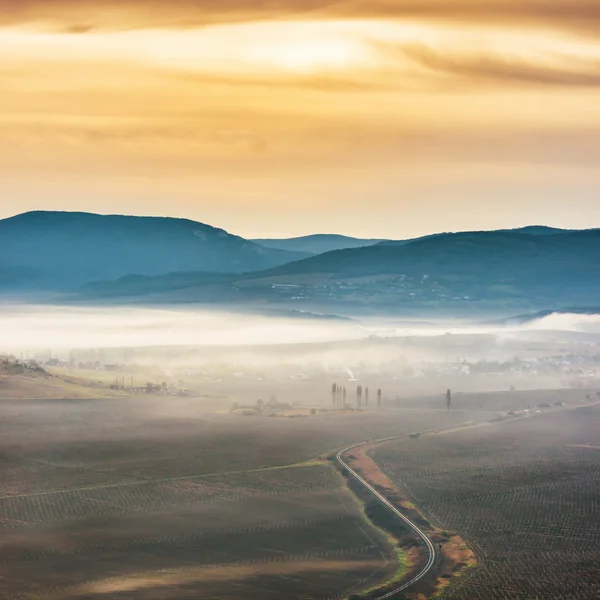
58	249
506	269
523	269
484	256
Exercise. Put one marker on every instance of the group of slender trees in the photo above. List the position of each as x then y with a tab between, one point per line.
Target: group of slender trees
339	396
359	396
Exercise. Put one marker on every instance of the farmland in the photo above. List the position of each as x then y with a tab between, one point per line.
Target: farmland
142	498
523	493
135	499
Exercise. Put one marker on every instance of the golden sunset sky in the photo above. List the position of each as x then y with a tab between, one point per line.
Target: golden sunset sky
384	118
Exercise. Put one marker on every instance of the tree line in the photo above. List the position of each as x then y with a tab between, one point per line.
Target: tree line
339	397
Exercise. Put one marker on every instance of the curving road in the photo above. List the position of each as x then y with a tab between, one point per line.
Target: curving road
388	504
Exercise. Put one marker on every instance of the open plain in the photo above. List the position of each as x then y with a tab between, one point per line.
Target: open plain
149	498
523	494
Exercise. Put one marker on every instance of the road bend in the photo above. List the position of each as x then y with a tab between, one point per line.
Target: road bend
428	543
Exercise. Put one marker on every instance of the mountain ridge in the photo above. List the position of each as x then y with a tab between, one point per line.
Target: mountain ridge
68	249
342	258
522	269
317	243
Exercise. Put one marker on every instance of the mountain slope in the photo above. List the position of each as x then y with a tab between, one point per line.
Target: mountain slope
55	250
323	242
317	243
521	270
493	255
529	230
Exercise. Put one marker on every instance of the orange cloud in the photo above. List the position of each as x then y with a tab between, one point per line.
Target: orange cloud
81	16
563	71
296	102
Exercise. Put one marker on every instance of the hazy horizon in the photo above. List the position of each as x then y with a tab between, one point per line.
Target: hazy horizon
308	232
32	326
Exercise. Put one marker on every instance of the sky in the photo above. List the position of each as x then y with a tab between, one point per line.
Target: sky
269	118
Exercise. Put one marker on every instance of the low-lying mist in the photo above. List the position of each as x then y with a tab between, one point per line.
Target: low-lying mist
582	323
63	328
261	340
